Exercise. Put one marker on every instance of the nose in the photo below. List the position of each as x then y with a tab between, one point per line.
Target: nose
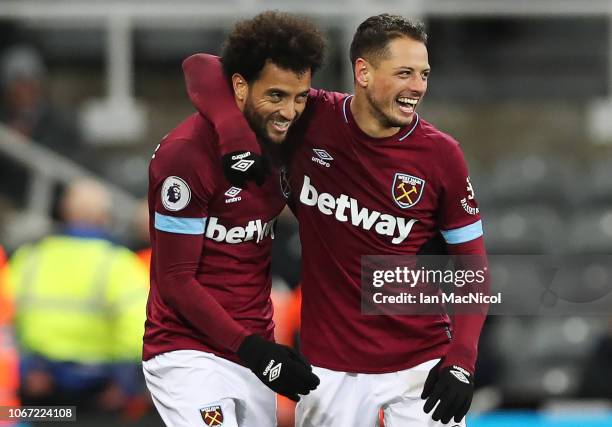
288	110
418	84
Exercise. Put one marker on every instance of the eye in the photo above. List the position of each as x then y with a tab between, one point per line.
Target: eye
425	76
405	73
275	97
300	99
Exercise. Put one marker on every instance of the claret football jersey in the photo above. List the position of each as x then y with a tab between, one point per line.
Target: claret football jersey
191	203
355	195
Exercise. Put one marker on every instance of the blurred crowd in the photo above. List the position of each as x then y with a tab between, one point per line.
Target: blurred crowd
72	302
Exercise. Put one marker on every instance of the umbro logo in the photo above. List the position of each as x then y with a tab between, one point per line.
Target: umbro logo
460	373
322	154
322	157
272	371
243	165
232	193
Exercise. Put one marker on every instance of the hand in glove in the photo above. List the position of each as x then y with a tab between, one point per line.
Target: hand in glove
239	167
453	387
279	367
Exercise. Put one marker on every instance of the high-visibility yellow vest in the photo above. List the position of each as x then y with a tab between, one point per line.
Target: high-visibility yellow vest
79	299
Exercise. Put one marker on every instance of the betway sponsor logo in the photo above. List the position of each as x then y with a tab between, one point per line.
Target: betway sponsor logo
255	229
347	209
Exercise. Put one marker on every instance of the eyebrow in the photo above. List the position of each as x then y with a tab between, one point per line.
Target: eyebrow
284	93
411	68
274	89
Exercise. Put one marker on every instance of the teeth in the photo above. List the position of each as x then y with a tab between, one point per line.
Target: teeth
405	100
281	124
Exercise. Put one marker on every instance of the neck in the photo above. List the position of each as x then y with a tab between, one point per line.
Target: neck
367	119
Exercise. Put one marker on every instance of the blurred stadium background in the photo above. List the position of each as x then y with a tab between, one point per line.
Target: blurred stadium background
526	86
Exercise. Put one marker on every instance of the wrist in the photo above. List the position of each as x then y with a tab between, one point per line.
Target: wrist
250	348
460	356
233	136
457	363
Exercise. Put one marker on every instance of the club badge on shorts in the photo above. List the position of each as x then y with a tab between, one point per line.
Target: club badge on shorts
175	193
407	190
212	415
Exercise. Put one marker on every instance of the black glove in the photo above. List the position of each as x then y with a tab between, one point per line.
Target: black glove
453	386
279	367
239	167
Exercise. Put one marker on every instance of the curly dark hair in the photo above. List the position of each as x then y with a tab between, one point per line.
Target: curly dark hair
289	41
373	35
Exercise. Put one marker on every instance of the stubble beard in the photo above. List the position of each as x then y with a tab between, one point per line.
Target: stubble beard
257	123
377	110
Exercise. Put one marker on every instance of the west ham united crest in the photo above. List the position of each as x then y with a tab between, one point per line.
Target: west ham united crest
212	415
407	190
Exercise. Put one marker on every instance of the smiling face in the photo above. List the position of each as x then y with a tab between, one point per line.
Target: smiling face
395	84
274	101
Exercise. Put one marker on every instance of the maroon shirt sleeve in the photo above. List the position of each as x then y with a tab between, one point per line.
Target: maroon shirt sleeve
176	264
213	97
177	255
458	202
461	226
463	350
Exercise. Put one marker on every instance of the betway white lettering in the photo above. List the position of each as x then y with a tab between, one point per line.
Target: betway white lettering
384	224
255	229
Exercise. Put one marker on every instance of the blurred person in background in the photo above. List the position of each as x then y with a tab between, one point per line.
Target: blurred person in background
27	108
79	309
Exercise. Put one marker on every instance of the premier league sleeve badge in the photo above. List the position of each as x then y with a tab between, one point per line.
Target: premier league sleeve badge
175	193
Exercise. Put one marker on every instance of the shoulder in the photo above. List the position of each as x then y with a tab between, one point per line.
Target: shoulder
187	162
21	253
442	140
189	148
447	147
194	136
324	99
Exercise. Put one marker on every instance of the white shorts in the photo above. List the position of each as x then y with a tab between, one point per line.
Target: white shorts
354	400
196	389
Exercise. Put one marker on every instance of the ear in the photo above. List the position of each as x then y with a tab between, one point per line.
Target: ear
240	85
362	72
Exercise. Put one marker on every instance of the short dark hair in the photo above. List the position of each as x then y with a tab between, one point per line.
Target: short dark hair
289	41
373	35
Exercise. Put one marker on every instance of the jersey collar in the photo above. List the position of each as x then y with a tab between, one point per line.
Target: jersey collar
404	132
